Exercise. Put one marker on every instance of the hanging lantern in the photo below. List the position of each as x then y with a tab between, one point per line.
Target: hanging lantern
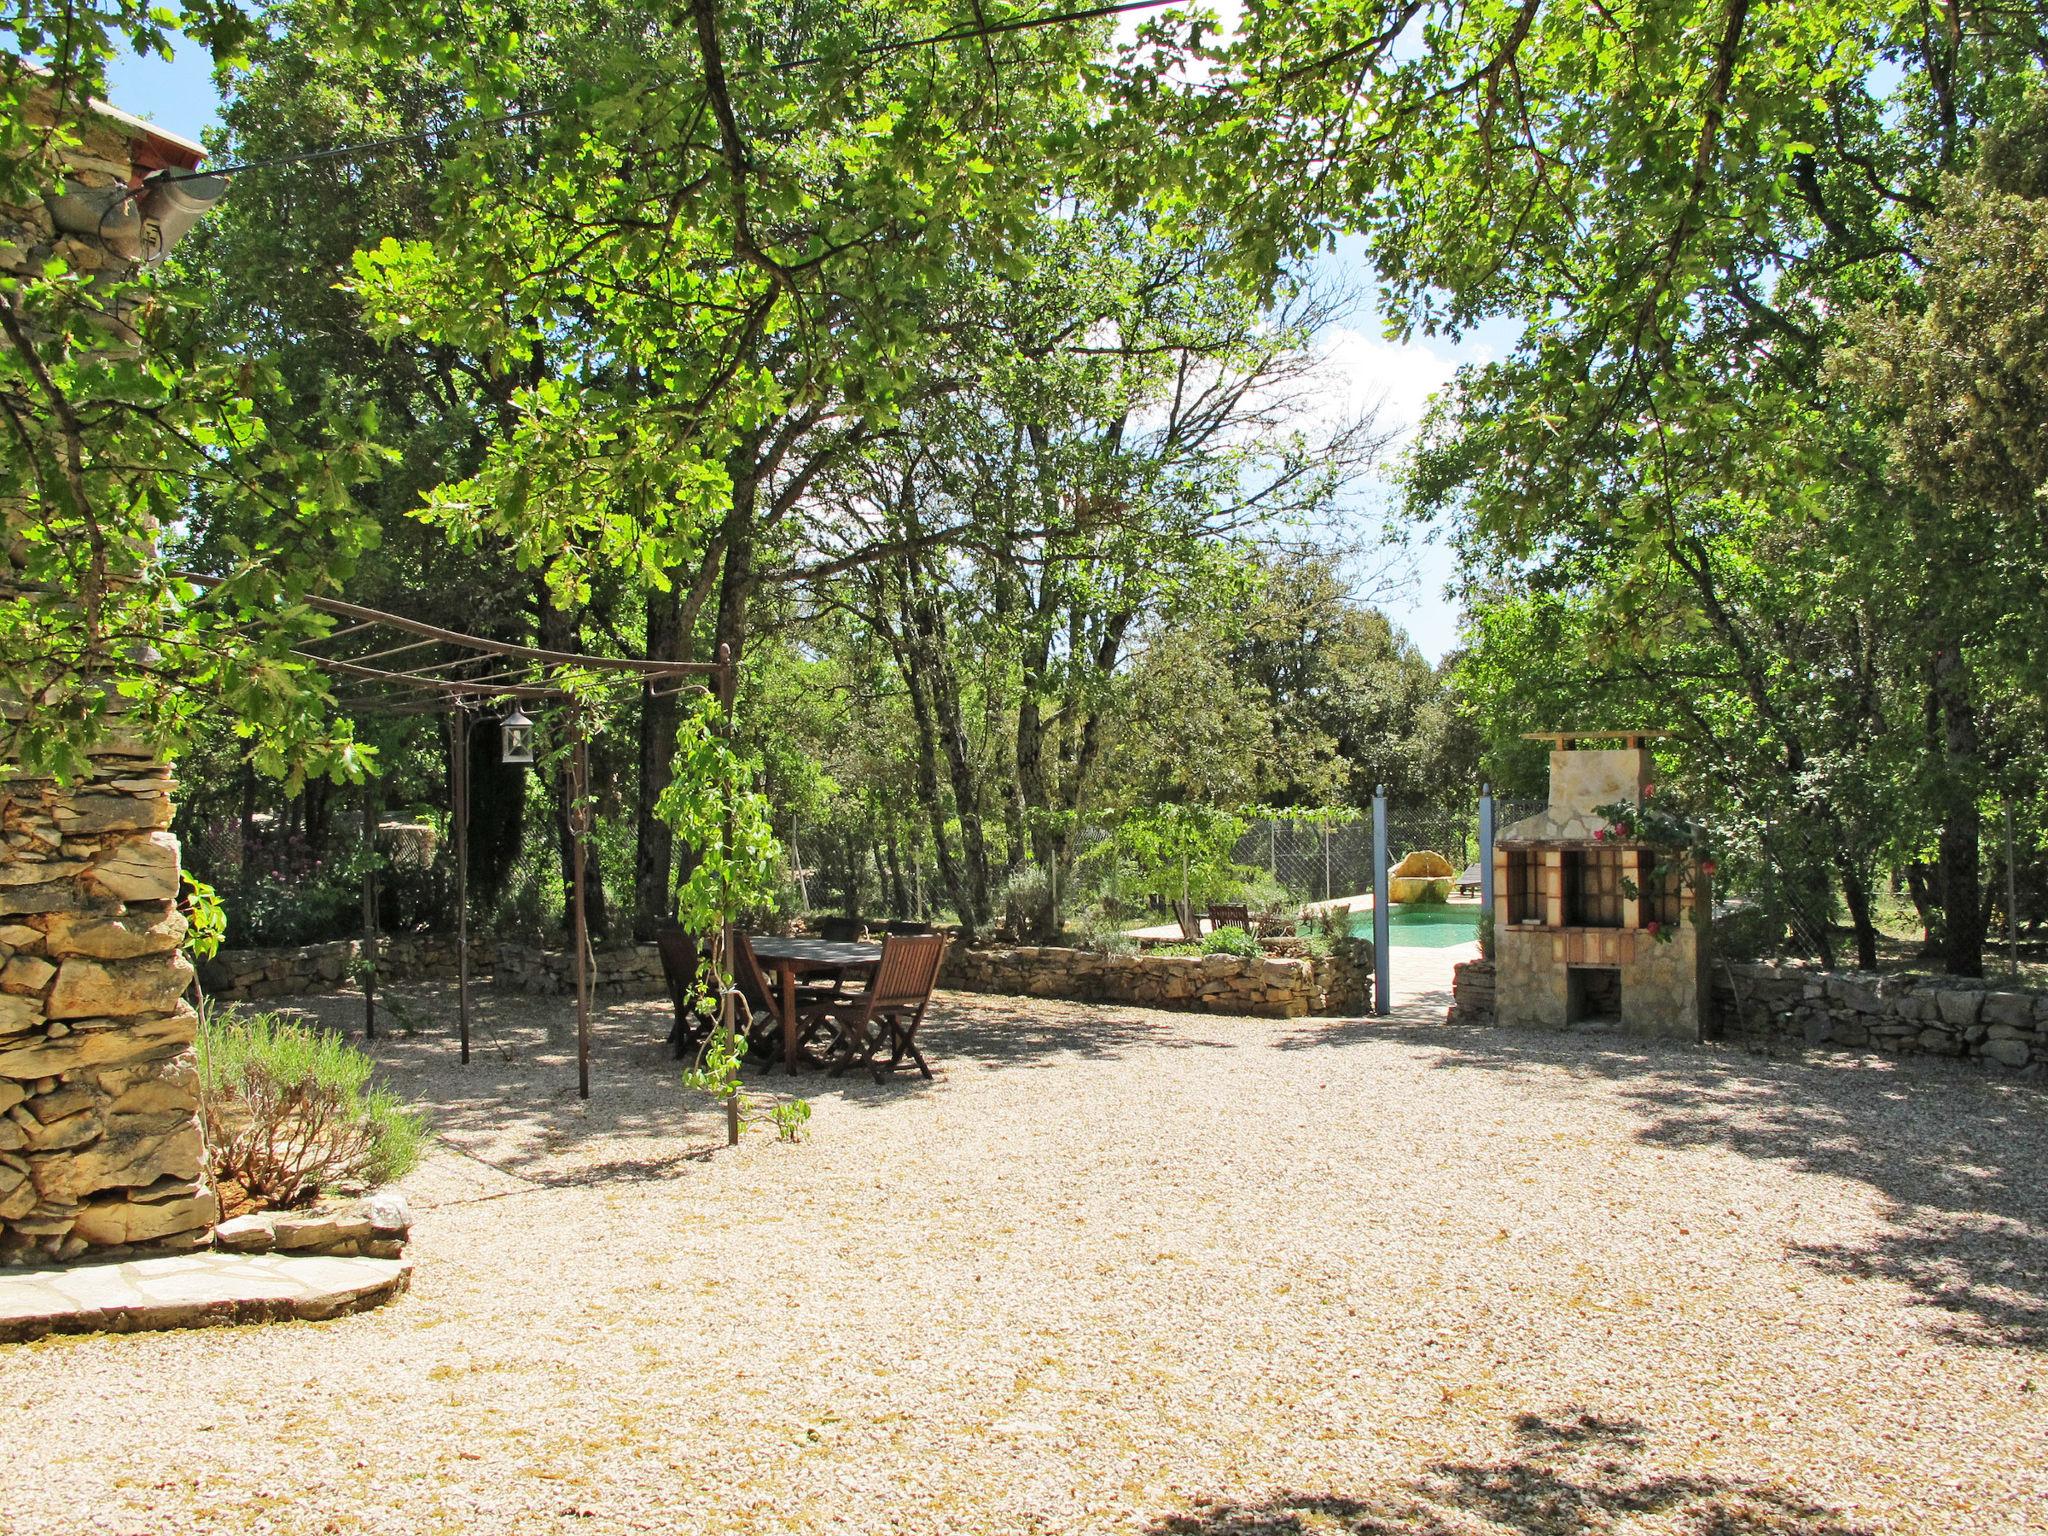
515	738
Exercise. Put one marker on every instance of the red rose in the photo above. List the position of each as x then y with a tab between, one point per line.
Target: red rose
1652	926
1599	834
1708	866
1649	790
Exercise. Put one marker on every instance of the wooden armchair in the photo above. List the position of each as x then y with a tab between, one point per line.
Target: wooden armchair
1226	915
842	930
891	1008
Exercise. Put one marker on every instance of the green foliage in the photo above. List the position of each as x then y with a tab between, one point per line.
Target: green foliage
291	1110
1230	940
119	420
713	807
1180	851
1670	510
789	1117
207	924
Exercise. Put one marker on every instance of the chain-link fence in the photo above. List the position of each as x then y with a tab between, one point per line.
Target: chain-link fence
1328	855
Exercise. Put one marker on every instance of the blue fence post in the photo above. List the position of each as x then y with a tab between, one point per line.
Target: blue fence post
1381	970
1485	848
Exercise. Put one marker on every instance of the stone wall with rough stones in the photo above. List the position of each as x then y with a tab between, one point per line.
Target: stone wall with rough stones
252	975
99	1130
249	975
1472	984
1274	987
627	971
374	1227
1784	1009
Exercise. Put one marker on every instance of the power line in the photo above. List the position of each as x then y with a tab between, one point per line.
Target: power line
534	114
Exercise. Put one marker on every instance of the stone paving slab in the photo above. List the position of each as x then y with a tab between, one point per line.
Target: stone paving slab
197	1290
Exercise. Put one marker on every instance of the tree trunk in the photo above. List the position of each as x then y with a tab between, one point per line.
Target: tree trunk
924	631
1962	904
1856	894
898	888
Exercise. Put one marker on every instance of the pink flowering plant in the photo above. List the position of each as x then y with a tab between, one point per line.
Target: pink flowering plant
1658	824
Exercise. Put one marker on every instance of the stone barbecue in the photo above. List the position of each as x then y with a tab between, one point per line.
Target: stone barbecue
1589	929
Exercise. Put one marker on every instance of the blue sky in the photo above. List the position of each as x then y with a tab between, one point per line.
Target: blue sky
1364	368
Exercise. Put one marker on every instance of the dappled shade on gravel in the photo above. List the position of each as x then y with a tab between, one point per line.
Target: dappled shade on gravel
1128	1271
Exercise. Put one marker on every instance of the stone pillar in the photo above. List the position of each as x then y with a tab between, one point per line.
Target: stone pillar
99	1144
99	1090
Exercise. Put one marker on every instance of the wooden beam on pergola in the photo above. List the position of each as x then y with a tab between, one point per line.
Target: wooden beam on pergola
432	681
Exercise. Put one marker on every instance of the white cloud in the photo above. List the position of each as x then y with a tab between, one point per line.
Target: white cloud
1364	372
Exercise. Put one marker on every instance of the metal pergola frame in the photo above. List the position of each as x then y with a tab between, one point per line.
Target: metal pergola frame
462	677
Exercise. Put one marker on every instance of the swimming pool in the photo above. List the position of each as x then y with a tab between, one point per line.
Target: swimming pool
1423	927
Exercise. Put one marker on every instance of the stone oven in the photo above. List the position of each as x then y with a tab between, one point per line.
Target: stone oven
1591	930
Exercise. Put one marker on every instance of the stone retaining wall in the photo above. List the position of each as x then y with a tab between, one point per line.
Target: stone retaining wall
1787	1008
1272	987
250	975
375	1227
246	975
628	971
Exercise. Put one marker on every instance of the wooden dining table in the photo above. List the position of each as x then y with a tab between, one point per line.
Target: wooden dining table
794	958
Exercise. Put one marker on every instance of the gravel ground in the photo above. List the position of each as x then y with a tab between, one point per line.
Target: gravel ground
1125	1271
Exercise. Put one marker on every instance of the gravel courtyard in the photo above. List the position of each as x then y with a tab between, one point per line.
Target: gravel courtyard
1121	1271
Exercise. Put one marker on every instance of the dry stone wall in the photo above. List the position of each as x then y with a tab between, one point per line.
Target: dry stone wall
253	975
250	975
627	971
1276	987
99	1091
1785	1009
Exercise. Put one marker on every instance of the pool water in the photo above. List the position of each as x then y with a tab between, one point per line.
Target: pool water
1424	927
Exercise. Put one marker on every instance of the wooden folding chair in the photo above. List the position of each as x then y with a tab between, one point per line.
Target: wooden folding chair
685	990
842	930
906	927
892	1006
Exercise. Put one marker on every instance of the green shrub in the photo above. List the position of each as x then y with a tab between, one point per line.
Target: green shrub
1175	949
1231	941
291	1112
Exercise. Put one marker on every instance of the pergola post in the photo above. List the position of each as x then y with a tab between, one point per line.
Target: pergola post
1485	848
579	828
458	814
1382	919
728	699
369	955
